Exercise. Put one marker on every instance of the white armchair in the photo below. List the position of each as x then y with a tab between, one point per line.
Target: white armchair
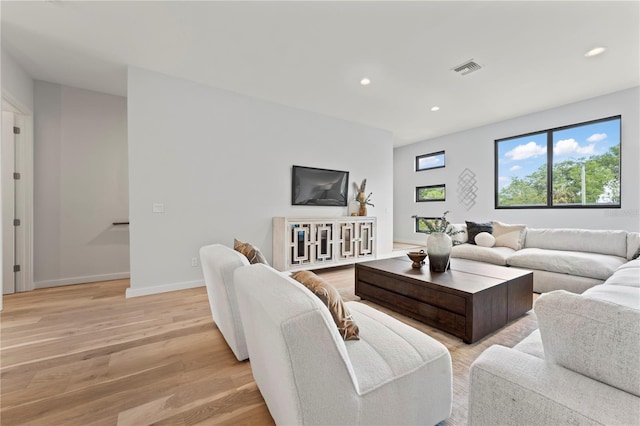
308	375
218	264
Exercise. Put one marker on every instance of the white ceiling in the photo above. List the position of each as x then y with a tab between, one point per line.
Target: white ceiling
312	55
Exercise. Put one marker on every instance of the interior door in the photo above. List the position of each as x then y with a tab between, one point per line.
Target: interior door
7	156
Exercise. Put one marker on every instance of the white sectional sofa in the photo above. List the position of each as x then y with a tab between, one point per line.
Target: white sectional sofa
561	259
307	374
581	367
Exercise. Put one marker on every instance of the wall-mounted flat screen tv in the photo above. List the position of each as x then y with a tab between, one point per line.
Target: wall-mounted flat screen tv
318	187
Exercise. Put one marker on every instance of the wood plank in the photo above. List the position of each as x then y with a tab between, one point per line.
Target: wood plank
84	354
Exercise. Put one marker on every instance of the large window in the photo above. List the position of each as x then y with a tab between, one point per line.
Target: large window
572	166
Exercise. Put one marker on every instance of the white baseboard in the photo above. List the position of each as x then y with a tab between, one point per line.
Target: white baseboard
422	242
80	280
146	291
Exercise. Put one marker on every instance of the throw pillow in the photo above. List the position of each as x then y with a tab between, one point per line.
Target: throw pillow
511	236
485	239
252	253
460	233
331	298
474	228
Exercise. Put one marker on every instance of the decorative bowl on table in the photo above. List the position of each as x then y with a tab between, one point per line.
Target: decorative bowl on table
417	257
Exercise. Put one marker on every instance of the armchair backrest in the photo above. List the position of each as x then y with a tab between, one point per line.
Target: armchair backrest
298	359
218	264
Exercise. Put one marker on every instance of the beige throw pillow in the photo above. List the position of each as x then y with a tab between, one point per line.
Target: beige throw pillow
252	253
331	298
511	236
485	239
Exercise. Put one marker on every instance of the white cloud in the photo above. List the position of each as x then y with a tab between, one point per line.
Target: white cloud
528	150
503	181
570	146
597	137
515	168
429	160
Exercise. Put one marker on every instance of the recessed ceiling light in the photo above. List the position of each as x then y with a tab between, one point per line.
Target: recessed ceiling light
365	81
435	108
595	51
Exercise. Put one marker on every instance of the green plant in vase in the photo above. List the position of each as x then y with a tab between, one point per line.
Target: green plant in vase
439	242
440	224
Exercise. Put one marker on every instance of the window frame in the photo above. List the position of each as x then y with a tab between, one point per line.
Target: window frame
549	158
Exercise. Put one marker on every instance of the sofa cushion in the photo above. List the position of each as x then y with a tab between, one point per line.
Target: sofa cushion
545	281
252	253
625	276
604	242
388	350
624	295
511	236
635	263
347	327
532	345
633	245
508	387
591	265
474	228
495	255
592	337
485	239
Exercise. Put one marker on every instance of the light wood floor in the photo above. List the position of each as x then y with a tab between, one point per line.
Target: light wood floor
84	354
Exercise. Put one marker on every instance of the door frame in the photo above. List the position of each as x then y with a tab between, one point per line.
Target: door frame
24	154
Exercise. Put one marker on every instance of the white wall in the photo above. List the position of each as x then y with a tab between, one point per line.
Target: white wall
220	163
81	186
474	149
17	85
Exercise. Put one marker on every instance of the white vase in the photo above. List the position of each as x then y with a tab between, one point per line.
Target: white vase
439	250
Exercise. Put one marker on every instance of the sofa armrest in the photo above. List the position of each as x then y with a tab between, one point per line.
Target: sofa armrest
592	337
508	387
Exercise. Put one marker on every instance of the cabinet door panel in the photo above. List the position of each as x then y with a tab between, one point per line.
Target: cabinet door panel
300	241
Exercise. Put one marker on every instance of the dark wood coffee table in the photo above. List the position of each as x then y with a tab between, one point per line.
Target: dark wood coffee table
469	301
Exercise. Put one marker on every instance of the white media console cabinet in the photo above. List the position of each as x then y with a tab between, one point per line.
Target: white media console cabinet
316	242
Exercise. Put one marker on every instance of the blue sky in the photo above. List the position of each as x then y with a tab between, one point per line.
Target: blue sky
431	161
521	156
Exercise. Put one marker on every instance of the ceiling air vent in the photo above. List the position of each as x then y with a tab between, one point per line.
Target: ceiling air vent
467	68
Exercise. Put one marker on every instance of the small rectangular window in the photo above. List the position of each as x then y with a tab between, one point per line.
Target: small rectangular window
422	223
431	193
430	161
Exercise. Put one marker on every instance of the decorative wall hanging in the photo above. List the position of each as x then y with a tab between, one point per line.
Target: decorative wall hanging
467	189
